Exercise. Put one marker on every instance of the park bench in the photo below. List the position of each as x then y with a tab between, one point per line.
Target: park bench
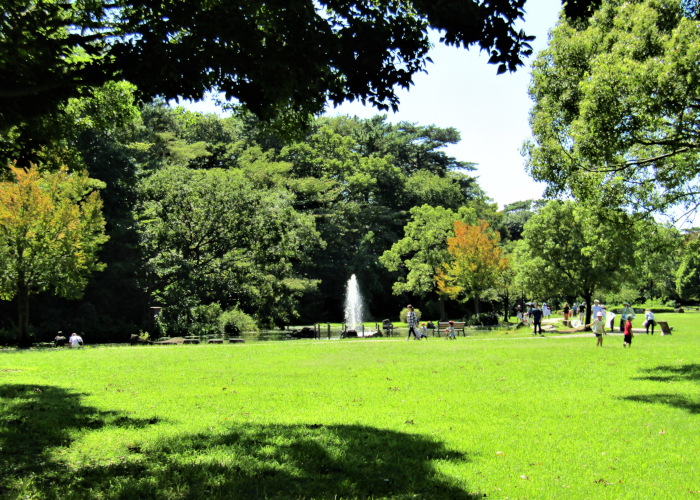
665	329
215	341
459	327
236	341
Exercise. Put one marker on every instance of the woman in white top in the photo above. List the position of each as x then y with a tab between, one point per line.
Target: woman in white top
649	316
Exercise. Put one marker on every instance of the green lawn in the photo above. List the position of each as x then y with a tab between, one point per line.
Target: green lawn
492	415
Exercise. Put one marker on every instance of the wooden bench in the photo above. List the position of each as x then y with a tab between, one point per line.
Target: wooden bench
459	327
665	329
215	341
236	341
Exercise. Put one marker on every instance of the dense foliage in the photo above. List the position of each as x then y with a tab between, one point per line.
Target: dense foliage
270	56
204	210
617	102
476	263
51	227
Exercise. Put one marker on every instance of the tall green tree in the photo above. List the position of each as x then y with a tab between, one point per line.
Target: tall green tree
210	236
571	250
616	120
688	272
423	250
51	227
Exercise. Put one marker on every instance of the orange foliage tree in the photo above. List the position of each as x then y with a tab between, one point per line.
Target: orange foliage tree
477	263
51	226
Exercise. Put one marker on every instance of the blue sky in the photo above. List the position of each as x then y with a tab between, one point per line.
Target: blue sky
491	111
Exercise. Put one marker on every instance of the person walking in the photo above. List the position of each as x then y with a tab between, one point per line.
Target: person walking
536	315
519	314
604	312
582	311
628	333
596	309
546	311
574	310
649	317
412	321
598	327
566	311
626	312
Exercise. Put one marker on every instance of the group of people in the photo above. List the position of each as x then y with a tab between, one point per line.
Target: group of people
74	340
534	315
422	332
599	315
598	325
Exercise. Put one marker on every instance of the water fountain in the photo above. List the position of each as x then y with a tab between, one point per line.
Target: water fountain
353	306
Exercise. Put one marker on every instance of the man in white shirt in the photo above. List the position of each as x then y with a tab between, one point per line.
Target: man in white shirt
75	340
649	317
596	309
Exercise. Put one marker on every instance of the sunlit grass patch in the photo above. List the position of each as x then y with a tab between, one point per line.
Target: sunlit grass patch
496	415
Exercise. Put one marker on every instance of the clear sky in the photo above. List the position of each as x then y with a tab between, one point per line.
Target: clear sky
490	111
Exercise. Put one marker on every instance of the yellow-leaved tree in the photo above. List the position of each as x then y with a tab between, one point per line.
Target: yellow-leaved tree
51	227
477	263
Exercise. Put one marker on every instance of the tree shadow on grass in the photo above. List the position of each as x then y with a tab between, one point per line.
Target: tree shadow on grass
239	461
670	373
673	373
37	418
675	400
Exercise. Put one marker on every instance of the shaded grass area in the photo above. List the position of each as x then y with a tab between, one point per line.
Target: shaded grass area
493	415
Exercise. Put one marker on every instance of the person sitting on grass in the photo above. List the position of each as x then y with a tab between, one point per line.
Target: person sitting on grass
450	331
598	327
75	340
628	332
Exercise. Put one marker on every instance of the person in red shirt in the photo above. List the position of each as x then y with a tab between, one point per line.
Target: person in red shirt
628	332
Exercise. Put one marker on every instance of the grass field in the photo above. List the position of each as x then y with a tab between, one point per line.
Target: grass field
495	415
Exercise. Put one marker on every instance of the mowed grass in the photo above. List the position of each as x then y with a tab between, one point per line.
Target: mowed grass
490	416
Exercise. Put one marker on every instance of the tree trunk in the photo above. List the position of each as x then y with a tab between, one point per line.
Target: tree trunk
505	307
23	309
443	314
476	304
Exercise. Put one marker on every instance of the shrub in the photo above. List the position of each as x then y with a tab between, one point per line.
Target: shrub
205	319
403	317
234	322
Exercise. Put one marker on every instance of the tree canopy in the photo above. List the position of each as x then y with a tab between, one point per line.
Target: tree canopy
569	250
51	227
210	237
617	101
476	264
423	249
270	56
